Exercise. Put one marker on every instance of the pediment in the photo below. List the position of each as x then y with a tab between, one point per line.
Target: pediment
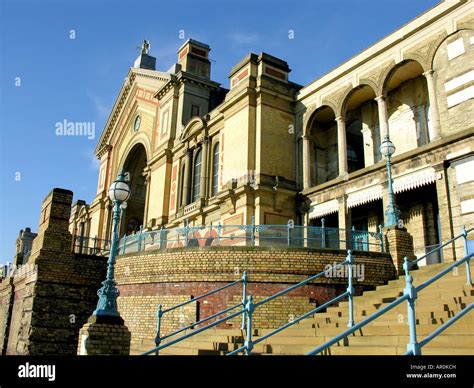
135	79
193	127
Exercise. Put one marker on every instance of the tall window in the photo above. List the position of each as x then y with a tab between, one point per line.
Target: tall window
197	176
183	197
215	169
195	110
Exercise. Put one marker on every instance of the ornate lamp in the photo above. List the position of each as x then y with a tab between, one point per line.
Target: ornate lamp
387	149
119	192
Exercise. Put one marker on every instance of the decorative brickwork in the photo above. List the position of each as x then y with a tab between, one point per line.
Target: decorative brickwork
176	275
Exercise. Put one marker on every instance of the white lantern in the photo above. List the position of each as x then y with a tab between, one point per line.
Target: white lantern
387	148
119	190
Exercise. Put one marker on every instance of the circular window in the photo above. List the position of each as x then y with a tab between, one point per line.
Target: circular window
136	125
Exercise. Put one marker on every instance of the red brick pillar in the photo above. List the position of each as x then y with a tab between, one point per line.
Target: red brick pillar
399	244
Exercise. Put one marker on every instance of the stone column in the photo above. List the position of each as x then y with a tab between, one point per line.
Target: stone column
187	171
204	166
383	116
306	162
434	113
341	145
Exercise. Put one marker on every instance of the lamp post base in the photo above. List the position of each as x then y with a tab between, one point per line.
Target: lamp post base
104	335
399	244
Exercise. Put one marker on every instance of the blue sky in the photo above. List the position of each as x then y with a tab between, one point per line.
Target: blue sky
47	77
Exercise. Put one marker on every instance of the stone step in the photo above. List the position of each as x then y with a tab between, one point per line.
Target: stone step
423	330
422	297
441	310
458	341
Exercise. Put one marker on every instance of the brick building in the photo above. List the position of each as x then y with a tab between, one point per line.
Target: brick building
265	150
267	147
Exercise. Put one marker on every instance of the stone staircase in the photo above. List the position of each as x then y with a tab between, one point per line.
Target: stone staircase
387	335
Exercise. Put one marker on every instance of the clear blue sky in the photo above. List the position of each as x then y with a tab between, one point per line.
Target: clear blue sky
79	79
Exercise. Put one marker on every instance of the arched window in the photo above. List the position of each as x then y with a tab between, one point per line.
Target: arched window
215	169
183	196
197	176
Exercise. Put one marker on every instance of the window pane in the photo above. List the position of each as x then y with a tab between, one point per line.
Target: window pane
197	176
215	169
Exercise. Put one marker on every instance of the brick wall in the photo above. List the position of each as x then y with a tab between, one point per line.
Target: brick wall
173	276
6	304
53	301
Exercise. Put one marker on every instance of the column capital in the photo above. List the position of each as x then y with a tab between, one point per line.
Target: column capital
428	73
380	98
340	118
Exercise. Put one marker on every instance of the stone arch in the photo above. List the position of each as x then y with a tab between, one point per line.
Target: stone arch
388	74
321	133
307	118
310	114
434	47
134	163
140	138
342	99
375	87
350	92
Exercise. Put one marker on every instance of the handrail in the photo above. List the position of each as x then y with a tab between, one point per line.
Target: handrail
410	295
443	327
444	272
197	331
161	312
357	326
250	307
286	325
201	296
192	325
297	285
463	233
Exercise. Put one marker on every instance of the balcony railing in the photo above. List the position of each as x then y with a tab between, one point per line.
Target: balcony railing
289	235
90	246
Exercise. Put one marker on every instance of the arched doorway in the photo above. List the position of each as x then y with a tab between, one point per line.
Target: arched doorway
323	151
133	215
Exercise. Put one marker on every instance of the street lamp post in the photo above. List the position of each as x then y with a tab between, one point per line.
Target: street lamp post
119	192
392	213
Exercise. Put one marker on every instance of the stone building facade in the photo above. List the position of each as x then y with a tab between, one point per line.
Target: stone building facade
274	150
265	150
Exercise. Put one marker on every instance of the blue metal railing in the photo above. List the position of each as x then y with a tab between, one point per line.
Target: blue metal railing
289	235
250	307
159	338
90	245
410	295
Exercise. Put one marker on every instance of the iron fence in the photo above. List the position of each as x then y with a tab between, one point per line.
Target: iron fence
90	245
288	235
